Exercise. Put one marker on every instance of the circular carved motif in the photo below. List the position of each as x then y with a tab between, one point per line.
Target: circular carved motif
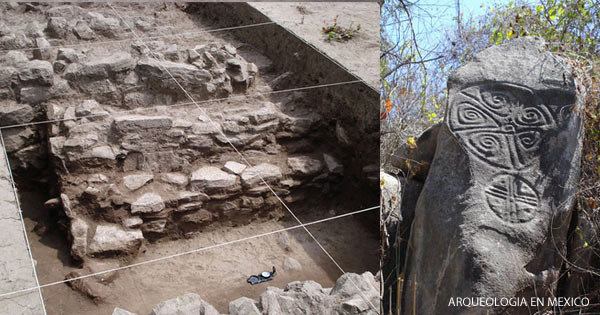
512	199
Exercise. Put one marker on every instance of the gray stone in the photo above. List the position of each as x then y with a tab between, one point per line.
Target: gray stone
304	165
113	238
34	94
333	165
500	186
14	113
79	234
148	203
109	27
187	75
103	152
187	304
120	311
42	51
210	177
252	176
136	181
36	72
57	27
83	31
67	54
243	306
177	179
234	167
197	217
103	67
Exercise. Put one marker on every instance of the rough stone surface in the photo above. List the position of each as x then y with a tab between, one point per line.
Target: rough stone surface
120	311
210	177
304	165
269	172
234	167
79	233
37	72
502	179
136	181
112	238
13	113
17	270
187	304
148	203
332	164
291	264
243	306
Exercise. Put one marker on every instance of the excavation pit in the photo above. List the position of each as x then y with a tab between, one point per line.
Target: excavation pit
131	169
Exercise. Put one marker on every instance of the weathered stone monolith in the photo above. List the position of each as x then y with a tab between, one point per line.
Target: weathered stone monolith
492	218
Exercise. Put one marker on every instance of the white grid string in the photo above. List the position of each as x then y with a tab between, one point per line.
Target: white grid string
133	39
216	126
37	282
180	104
197	250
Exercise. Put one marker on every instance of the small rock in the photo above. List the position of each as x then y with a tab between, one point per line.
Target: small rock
148	203
132	123
234	167
88	286
52	203
136	181
200	216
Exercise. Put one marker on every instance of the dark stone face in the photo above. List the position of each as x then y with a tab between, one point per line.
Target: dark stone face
503	126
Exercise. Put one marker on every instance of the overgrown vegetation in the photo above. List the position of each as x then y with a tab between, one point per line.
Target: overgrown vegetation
340	33
414	74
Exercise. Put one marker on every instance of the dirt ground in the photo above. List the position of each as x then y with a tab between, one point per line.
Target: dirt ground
217	275
359	55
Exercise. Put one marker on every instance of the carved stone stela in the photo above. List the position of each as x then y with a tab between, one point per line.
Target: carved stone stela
503	125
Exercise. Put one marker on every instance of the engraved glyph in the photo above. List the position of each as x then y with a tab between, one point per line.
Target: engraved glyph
503	125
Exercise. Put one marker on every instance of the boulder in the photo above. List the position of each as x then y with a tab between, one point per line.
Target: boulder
37	72
210	177
83	31
14	113
499	189
304	165
148	203
109	27
57	27
252	176
187	304
243	306
136	181
67	54
110	238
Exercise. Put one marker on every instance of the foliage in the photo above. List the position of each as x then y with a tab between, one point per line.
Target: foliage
340	33
572	29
